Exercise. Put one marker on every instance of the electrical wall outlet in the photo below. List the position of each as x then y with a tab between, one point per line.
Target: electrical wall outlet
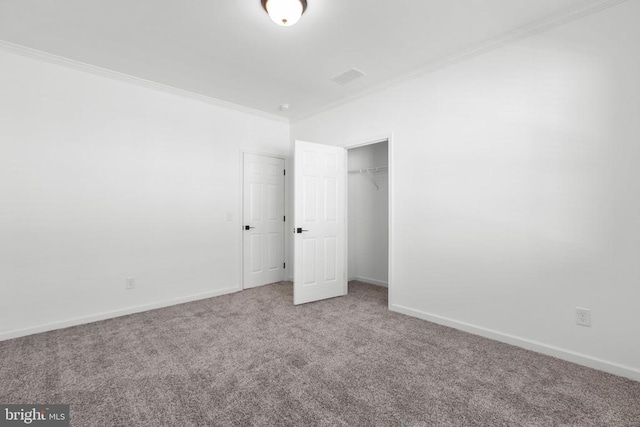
583	317
130	283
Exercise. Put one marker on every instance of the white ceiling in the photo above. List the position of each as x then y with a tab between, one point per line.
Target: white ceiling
230	49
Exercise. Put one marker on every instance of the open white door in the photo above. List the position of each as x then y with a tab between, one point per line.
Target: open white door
319	242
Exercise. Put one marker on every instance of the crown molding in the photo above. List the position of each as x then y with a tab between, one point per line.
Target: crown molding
115	75
538	27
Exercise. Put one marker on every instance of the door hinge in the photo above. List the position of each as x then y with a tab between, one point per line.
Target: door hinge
285	172
284	265
284	218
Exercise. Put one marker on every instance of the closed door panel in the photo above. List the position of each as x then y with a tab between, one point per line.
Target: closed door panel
255	203
263	220
274	250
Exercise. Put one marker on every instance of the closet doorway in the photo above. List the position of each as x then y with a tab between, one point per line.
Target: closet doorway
368	213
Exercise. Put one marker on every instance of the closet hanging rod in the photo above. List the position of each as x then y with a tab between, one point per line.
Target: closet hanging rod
371	170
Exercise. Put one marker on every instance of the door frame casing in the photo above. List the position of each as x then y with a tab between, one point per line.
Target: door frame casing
241	212
361	143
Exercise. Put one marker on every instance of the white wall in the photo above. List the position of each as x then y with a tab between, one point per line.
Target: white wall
102	180
368	215
516	189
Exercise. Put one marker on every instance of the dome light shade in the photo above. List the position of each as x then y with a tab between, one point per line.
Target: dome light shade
285	12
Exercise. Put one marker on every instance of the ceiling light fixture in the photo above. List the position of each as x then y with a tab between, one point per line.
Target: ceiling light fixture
285	12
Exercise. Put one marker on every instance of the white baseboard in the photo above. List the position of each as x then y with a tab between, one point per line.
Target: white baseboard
112	314
370	281
560	353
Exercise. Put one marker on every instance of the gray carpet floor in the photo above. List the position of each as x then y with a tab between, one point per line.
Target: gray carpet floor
252	358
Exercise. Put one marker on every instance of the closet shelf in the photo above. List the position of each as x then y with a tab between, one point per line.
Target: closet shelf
370	173
371	170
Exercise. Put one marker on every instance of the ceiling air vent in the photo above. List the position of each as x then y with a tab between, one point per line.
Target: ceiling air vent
347	77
